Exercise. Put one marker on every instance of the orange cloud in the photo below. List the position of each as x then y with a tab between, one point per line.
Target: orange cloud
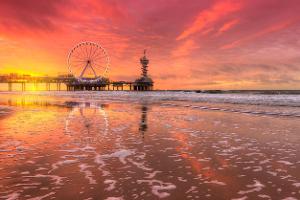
227	26
185	48
219	10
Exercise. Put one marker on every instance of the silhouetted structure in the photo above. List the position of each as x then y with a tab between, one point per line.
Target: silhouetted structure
22	80
144	83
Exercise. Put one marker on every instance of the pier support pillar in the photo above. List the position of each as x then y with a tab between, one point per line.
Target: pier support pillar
35	86
10	87
23	86
58	86
48	86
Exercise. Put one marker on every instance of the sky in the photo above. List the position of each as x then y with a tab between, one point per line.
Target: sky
191	44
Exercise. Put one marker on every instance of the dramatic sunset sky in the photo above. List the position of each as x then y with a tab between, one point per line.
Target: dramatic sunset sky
192	44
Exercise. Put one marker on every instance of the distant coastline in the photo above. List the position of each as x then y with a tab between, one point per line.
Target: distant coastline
236	91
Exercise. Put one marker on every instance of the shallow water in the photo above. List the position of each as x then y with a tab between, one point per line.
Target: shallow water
128	145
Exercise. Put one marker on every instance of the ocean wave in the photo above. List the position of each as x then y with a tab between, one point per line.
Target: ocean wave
233	98
5	110
247	103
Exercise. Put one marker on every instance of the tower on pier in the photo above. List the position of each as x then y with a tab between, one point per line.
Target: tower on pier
144	83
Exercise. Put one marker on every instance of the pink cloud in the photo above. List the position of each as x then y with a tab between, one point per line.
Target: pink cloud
211	15
268	30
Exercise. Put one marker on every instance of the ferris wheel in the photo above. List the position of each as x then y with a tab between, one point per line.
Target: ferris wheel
88	61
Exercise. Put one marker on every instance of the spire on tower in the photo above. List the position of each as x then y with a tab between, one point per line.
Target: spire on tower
144	61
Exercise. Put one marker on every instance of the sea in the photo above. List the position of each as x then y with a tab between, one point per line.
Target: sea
117	145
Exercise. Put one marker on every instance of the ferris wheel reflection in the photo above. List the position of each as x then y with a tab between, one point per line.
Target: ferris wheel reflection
87	122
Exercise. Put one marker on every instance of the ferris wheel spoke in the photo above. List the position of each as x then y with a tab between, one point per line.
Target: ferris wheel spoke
77	69
82	53
98	57
99	52
93	71
86	51
101	59
79	64
100	62
78	61
83	71
96	49
99	66
91	48
77	56
79	53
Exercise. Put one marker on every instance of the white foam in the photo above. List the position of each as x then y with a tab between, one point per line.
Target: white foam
140	165
285	162
111	183
296	184
192	188
88	174
60	163
42	197
152	174
57	179
215	182
264	196
121	154
159	188
114	198
256	187
241	198
12	196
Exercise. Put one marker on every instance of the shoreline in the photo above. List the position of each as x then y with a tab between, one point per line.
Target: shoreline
267	92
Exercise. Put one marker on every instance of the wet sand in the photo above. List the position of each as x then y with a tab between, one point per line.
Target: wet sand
70	147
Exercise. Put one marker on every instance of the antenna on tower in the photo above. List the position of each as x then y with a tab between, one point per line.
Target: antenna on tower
145	52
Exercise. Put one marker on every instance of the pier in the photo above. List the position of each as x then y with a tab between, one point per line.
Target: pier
23	80
73	83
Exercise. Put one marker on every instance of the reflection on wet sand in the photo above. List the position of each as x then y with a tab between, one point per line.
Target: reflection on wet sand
62	147
91	117
143	124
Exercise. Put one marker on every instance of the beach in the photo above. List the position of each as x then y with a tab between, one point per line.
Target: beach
149	145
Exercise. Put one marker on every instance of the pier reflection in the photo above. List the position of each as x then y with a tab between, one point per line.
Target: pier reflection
143	123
